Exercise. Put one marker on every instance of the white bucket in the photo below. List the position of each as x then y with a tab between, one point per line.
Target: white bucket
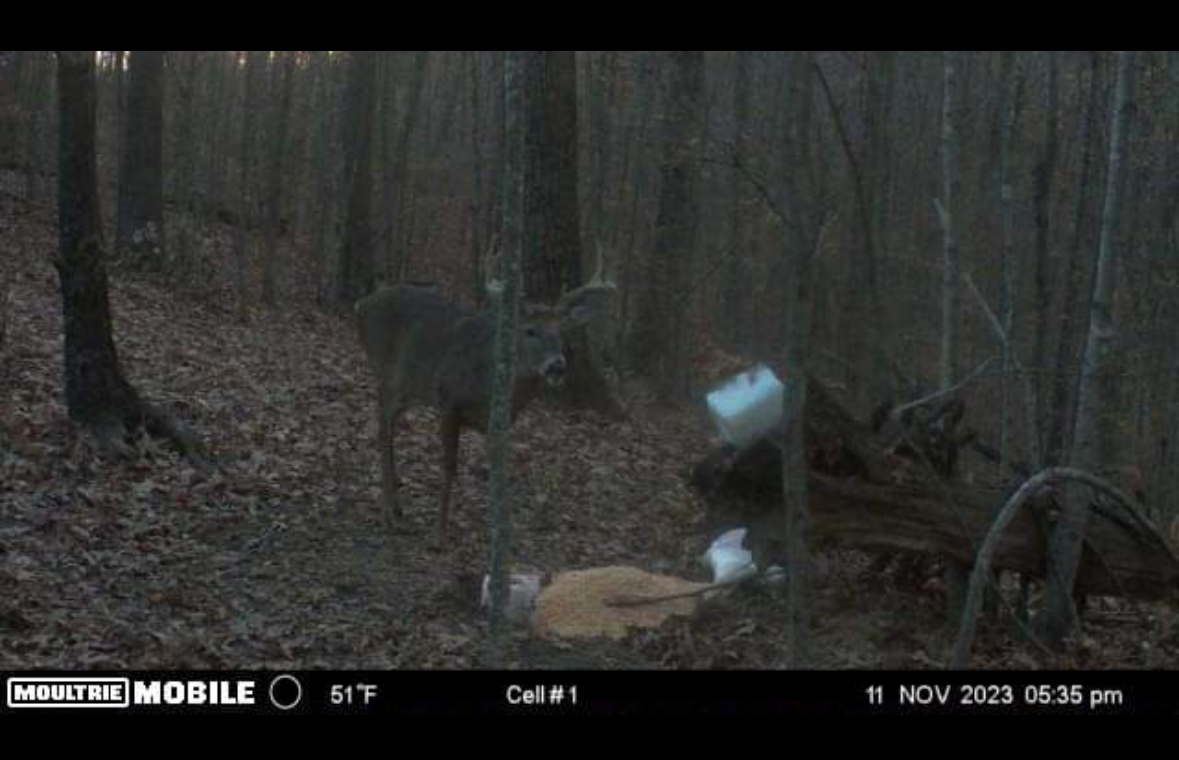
747	406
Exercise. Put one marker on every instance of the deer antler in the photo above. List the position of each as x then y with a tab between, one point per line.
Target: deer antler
597	279
578	306
492	263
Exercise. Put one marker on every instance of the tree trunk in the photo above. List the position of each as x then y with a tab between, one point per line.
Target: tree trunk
950	277
956	574
185	149
1069	534
657	340
222	89
243	230
1060	405
323	211
507	308
35	105
795	476
1042	206
97	395
140	232
1007	155
274	195
736	293
356	257
398	175
477	209
553	264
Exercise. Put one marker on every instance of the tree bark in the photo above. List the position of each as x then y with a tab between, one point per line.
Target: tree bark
1011	378
553	263
950	277
1061	405
397	174
97	395
1069	534
956	574
140	233
245	208
1042	206
657	340
507	306
736	293
274	181
356	257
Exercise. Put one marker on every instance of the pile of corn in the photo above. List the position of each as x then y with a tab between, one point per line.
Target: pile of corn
577	604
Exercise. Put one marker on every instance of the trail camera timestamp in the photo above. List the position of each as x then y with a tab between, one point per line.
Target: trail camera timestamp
1022	697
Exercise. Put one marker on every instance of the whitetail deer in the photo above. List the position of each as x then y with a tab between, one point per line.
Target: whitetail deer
426	351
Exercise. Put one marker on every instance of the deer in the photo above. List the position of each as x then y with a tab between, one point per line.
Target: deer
425	350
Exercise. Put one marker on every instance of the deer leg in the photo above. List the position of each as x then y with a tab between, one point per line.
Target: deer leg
450	449
389	484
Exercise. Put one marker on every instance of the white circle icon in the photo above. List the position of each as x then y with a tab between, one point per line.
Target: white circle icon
285	702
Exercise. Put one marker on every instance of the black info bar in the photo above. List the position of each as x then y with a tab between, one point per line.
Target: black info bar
593	692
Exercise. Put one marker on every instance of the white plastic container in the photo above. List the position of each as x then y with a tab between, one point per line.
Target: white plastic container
747	406
523	589
729	559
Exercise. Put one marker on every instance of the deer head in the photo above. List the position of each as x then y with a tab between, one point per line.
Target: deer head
540	349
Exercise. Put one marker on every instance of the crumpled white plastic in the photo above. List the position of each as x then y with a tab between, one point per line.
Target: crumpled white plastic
523	589
729	559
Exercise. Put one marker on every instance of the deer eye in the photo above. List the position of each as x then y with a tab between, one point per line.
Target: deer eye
532	332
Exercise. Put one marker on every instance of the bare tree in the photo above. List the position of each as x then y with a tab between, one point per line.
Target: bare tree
1069	533
797	309
507	313
657	338
98	396
1043	177
396	155
355	277
141	238
274	177
553	263
1010	85
245	206
956	574
950	277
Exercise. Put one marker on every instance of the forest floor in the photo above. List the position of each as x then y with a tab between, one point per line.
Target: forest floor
277	557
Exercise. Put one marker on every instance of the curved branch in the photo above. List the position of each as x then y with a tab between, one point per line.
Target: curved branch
982	563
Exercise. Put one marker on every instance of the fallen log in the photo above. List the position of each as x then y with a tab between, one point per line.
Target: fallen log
879	489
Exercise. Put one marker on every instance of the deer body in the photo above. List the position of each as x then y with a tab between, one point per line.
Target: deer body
426	351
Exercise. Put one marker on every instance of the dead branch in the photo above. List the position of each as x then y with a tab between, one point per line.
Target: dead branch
984	560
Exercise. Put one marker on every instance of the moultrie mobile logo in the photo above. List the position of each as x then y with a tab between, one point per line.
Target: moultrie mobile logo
104	691
48	692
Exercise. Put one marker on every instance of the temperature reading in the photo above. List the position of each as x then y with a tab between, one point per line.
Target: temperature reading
354	694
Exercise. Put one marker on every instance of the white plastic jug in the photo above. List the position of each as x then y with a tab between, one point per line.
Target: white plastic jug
747	406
